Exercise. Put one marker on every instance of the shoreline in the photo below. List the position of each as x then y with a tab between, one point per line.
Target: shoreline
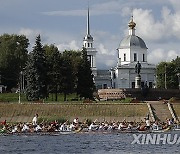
14	112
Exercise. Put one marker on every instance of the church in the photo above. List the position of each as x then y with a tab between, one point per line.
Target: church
132	49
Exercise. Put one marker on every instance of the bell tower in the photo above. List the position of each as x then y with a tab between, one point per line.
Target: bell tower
88	44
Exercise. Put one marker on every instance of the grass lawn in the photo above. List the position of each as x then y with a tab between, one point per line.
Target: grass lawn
71	98
14	97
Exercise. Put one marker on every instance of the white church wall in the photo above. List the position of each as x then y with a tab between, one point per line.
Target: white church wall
123	78
139	52
121	55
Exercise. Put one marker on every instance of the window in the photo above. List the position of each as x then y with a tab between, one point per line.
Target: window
91	61
133	84
124	57
135	56
143	57
89	58
91	45
88	45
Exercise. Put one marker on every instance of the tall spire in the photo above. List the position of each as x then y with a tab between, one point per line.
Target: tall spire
88	44
88	35
88	27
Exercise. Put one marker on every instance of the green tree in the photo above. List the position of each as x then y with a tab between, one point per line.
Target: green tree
169	71
67	78
85	85
54	62
75	58
36	73
176	63
13	56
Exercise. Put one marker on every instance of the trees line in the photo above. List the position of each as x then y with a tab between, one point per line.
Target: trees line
46	69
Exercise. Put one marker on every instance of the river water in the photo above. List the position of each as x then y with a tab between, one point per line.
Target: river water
81	143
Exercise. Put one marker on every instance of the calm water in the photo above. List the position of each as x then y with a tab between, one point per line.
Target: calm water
79	143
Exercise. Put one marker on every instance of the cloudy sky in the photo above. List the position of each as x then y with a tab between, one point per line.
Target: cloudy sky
63	23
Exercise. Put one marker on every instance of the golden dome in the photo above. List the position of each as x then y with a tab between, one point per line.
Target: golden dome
132	24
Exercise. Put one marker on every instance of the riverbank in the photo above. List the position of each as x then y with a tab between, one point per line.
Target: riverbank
14	112
100	111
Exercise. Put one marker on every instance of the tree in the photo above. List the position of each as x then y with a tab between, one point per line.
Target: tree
176	63
13	56
168	71
36	73
54	62
161	67
67	78
75	58
85	85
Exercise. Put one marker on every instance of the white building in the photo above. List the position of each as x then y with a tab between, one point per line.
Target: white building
131	50
88	44
102	78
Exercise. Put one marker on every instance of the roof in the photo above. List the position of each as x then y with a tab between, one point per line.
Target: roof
88	37
132	40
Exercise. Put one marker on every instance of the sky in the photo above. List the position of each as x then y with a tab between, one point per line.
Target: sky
63	23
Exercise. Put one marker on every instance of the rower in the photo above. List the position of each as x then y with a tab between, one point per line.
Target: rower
25	128
122	126
156	126
148	124
93	126
38	128
63	127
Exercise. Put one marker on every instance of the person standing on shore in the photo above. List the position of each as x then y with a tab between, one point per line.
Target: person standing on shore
34	121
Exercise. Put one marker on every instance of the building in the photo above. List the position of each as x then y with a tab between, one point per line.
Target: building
131	50
102	78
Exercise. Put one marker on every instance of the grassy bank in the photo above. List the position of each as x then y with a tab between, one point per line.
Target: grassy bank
72	110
